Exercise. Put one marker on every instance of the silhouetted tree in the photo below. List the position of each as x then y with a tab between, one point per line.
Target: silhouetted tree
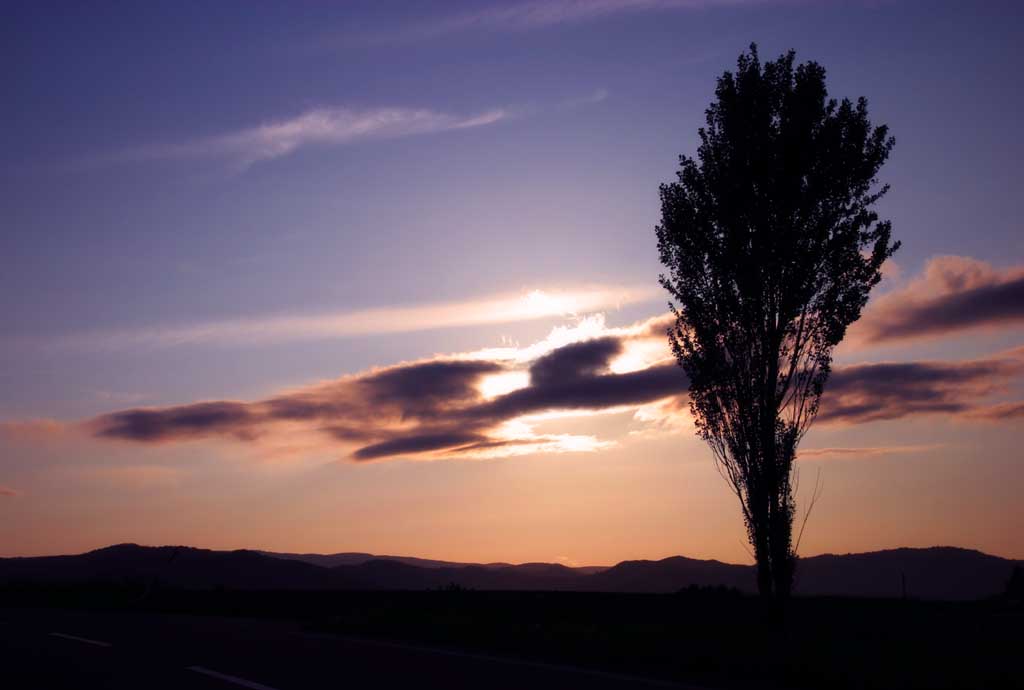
771	247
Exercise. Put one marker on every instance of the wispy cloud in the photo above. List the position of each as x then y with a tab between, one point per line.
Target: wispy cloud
32	430
863	452
999	412
495	309
7	491
332	126
538	14
596	96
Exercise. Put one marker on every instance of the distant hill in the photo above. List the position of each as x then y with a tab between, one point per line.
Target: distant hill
671	574
941	572
933	573
357	558
385	574
181	566
330	560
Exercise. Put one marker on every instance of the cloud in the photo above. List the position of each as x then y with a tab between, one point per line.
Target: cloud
588	392
999	412
867	452
574	361
454	440
332	126
182	422
540	14
34	430
7	491
597	96
955	294
891	390
487	403
439	407
494	309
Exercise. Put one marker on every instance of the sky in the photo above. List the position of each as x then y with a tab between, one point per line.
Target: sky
382	276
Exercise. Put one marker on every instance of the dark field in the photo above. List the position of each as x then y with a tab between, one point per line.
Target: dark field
703	637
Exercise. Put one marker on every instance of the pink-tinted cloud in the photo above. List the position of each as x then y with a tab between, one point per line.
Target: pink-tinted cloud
34	430
862	452
955	294
891	390
448	407
430	408
999	412
8	491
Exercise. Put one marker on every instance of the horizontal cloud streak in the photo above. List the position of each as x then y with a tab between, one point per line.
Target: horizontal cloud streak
495	309
868	452
538	14
30	431
485	403
419	443
318	127
182	422
892	390
999	412
7	491
428	408
954	294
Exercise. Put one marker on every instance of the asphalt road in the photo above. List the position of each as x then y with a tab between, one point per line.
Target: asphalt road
56	649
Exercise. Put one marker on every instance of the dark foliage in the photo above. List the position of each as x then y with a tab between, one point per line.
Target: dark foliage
771	245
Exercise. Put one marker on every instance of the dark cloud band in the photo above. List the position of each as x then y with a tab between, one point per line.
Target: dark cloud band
891	390
416	408
955	294
435	407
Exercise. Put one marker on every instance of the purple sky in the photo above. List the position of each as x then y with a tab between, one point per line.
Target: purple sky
242	202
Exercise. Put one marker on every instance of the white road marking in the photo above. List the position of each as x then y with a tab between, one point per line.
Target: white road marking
81	639
230	679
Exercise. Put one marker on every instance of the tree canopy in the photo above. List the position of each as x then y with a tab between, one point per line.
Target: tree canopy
771	245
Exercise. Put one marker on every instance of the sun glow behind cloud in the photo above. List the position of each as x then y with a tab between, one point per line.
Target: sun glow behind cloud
513	399
475	404
495	309
499	384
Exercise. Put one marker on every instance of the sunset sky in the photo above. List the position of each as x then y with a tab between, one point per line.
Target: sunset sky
382	276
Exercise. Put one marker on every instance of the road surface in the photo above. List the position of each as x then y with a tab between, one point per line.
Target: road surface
57	649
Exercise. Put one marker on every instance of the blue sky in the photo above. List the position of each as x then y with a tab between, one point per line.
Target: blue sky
170	167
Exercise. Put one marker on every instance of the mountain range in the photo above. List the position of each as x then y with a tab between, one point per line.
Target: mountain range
941	573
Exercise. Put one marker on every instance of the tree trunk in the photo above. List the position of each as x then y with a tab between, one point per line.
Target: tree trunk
764	577
760	533
782	557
